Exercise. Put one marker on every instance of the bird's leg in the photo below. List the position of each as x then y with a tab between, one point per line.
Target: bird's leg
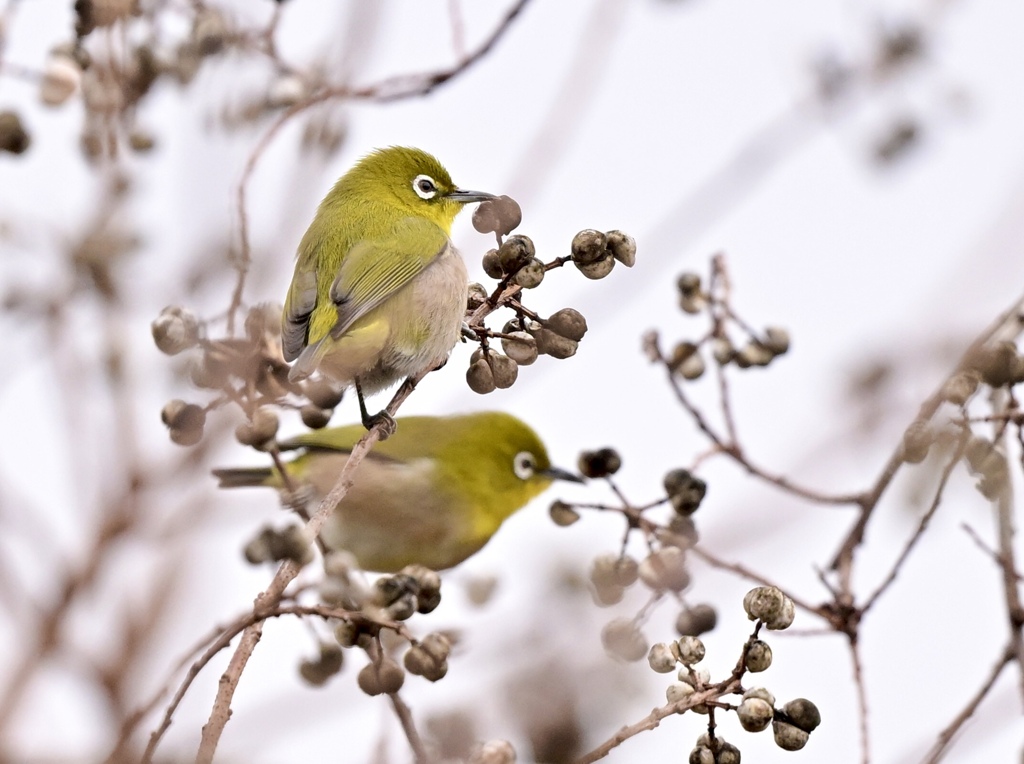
383	418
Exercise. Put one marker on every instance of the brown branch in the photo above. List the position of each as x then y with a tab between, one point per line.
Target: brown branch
862	701
744	572
409	728
1014	610
269	598
980	543
222	638
720	281
733	451
922	525
842	561
946	736
653	719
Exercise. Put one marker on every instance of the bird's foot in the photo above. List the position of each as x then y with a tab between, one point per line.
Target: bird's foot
383	420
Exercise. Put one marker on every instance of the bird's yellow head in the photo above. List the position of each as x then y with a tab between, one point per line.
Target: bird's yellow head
410	181
497	462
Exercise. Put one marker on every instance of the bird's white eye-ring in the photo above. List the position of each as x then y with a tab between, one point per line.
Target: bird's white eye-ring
424	186
524	465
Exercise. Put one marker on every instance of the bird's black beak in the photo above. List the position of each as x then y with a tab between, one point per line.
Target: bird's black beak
556	473
466	197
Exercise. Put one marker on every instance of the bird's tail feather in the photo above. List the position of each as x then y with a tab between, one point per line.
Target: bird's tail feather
241	477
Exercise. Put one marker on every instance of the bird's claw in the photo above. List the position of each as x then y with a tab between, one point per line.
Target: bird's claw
385	423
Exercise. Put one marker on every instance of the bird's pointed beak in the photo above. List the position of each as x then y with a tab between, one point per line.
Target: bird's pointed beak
467	197
556	473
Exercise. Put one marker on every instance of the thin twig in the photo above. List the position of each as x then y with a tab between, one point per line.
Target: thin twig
950	731
984	547
405	718
922	525
270	597
653	719
862	700
842	562
736	454
744	572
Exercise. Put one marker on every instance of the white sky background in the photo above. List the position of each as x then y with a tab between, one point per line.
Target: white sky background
903	263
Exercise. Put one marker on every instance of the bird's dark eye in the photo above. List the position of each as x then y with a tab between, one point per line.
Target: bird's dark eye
424	186
524	465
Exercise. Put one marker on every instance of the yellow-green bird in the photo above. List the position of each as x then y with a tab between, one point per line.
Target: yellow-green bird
379	291
434	493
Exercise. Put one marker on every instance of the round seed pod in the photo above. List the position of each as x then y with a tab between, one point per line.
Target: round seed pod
758	656
693	305
691	650
476	295
322	393
803	714
480	378
665	569
722	350
382	677
568	323
622	246
175	330
598	464
61	78
515	252
14	138
554	345
328	663
315	418
258	431
960	387
789	737
563	514
492	265
504	371
421	662
623	639
286	90
917	441
753	354
598	269
627	570
521	347
291	543
608	595
769	605
602	570
185	421
701	754
776	340
685	491
696	620
688	284
530	275
494	752
500	216
589	246
661	658
678	691
692	368
258	549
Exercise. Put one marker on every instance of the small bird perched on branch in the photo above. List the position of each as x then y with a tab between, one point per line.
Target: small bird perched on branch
433	494
379	291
